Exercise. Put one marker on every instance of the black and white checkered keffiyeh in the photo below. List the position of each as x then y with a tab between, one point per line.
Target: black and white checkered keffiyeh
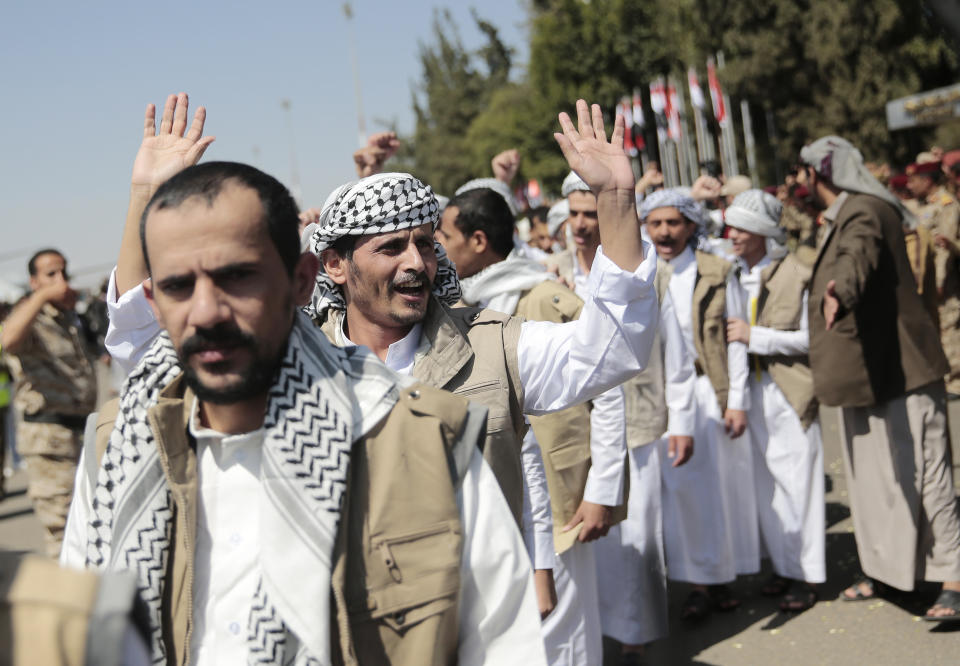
322	400
377	204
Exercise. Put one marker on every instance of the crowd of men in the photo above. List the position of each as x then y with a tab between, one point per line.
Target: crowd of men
401	428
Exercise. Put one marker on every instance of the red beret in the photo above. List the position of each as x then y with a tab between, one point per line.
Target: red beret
899	182
922	168
801	192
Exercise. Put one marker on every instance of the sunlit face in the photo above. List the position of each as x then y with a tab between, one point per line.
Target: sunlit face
747	245
462	250
220	289
583	221
388	279
669	231
51	269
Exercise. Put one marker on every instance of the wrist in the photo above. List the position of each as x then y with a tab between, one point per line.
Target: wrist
142	191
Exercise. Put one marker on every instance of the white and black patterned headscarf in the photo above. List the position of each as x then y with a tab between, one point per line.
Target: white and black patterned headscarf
377	204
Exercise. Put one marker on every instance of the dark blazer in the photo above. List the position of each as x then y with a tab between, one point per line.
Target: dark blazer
883	343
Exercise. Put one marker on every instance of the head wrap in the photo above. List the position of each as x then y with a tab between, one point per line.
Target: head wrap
377	204
757	212
557	215
674	197
735	185
838	161
573	183
497	186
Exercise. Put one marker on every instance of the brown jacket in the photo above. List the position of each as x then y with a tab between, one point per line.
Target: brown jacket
472	352
882	344
709	323
396	564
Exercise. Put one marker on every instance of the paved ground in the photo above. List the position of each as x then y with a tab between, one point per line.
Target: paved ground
832	632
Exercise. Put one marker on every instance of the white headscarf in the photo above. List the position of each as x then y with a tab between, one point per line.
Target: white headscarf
573	183
557	215
759	213
497	186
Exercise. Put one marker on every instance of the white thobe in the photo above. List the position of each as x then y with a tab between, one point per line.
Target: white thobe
788	460
631	568
709	508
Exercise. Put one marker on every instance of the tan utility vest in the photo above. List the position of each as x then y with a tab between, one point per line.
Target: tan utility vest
644	396
709	322
55	616
564	436
472	352
396	563
780	307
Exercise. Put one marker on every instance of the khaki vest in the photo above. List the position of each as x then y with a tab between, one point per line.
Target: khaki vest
780	307
564	436
396	563
709	323
472	352
644	396
55	616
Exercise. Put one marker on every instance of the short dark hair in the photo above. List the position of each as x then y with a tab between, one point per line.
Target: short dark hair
32	264
485	210
206	180
538	213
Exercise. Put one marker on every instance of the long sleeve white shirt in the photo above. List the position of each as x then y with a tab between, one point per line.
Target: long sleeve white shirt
679	373
768	341
682	283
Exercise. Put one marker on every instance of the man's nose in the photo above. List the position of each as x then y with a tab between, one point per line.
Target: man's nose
412	260
207	306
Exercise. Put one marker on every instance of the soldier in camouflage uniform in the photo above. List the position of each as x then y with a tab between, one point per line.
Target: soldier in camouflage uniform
56	389
939	213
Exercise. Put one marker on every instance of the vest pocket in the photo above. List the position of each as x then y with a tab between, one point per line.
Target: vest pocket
411	576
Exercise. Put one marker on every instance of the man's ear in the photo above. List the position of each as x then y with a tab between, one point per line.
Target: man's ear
335	264
479	242
305	277
148	293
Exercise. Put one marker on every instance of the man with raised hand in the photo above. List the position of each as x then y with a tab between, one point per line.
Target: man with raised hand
249	474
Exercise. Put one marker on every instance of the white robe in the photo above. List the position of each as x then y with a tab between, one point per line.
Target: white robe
788	460
709	507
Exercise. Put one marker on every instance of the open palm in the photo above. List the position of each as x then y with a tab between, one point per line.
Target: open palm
602	164
171	150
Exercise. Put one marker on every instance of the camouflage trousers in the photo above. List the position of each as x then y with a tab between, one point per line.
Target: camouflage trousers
950	339
50	452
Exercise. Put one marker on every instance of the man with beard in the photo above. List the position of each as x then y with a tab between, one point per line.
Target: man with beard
249	473
56	389
875	353
709	511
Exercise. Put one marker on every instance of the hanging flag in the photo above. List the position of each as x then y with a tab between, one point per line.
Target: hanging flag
696	94
674	130
658	102
716	93
638	121
624	109
533	193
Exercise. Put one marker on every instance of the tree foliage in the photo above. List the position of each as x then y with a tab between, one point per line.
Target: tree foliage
819	66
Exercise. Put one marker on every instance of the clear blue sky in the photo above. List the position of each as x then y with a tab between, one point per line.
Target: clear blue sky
76	78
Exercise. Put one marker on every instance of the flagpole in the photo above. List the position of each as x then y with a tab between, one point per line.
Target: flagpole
748	140
687	145
731	139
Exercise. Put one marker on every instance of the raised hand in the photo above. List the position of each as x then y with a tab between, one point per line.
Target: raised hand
380	147
505	165
602	164
173	148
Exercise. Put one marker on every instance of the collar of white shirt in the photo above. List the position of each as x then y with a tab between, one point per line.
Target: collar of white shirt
401	354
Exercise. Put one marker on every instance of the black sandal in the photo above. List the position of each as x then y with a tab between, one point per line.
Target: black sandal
947	599
696	607
875	586
721	598
775	586
801	597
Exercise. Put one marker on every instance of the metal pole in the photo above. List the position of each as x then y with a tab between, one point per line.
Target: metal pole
748	141
361	123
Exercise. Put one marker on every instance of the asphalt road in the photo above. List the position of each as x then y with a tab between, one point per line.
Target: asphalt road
887	631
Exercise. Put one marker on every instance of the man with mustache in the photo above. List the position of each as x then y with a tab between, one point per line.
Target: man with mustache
261	482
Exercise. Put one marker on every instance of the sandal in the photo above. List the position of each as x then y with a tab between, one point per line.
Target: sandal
948	599
876	590
801	597
721	598
775	586
696	607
